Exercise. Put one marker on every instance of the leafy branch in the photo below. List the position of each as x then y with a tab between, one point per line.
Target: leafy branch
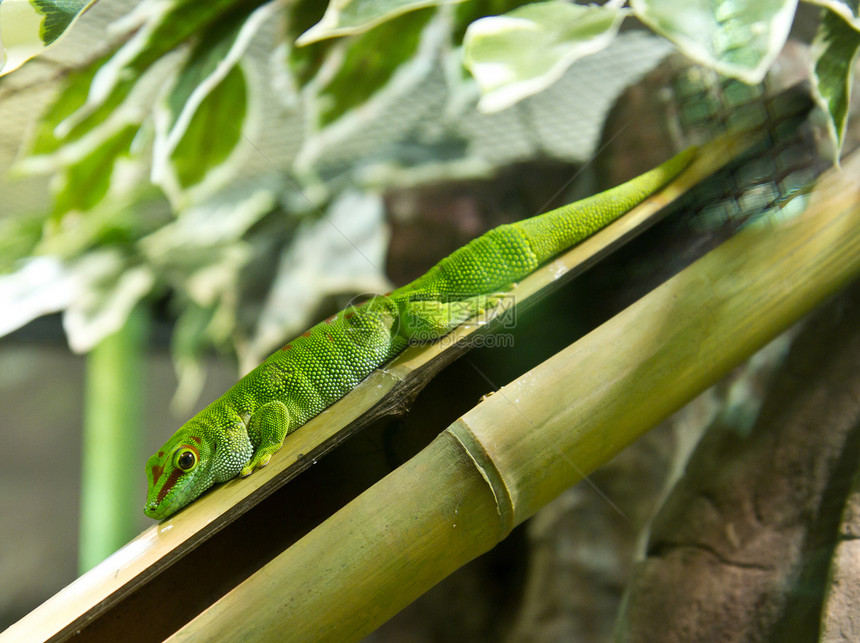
158	184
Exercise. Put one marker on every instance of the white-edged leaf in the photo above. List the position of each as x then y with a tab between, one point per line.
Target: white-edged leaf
108	288
41	285
342	252
28	27
81	185
848	9
208	141
164	25
188	343
201	254
207	66
97	293
738	38
335	118
222	218
53	146
362	73
347	17
526	50
212	282
834	53
130	209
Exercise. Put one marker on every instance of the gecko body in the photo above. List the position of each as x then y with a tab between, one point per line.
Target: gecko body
241	430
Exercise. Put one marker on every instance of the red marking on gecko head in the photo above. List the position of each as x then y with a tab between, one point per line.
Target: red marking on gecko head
157	470
196	439
174	476
287	347
161	454
307	333
348	315
330	319
329	337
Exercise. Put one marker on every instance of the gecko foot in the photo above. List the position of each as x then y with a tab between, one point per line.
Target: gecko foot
260	460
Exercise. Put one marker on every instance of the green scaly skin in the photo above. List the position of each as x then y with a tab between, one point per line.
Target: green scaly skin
241	430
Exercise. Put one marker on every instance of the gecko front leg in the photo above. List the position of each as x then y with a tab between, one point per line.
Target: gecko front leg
267	429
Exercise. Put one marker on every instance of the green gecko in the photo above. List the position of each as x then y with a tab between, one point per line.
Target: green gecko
239	432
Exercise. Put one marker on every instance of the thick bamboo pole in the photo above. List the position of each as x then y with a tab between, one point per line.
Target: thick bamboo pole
517	450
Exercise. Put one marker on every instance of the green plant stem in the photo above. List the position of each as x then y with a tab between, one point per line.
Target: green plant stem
112	441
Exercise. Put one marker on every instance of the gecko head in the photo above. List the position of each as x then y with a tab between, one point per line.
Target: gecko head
180	471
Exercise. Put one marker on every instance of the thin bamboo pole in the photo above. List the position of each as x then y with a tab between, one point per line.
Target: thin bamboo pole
513	453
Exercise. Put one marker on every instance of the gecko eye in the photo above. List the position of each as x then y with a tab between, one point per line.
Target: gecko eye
186	459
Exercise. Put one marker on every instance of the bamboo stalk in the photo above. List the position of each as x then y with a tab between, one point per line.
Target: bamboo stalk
517	450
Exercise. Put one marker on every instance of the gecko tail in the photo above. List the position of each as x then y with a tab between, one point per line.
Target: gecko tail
557	230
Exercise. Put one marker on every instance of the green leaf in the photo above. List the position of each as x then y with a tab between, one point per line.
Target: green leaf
73	95
835	51
168	29
347	17
201	255
50	147
848	9
28	27
219	49
86	182
303	63
370	62
108	287
41	285
129	212
213	132
19	234
526	50
221	219
167	25
468	12
188	344
119	87
738	38
59	16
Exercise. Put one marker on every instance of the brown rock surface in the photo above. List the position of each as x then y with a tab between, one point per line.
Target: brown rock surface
741	549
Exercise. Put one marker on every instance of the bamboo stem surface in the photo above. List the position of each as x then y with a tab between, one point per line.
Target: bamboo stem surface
521	447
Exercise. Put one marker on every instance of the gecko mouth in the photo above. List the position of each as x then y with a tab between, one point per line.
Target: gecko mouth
168	501
166	507
174	495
